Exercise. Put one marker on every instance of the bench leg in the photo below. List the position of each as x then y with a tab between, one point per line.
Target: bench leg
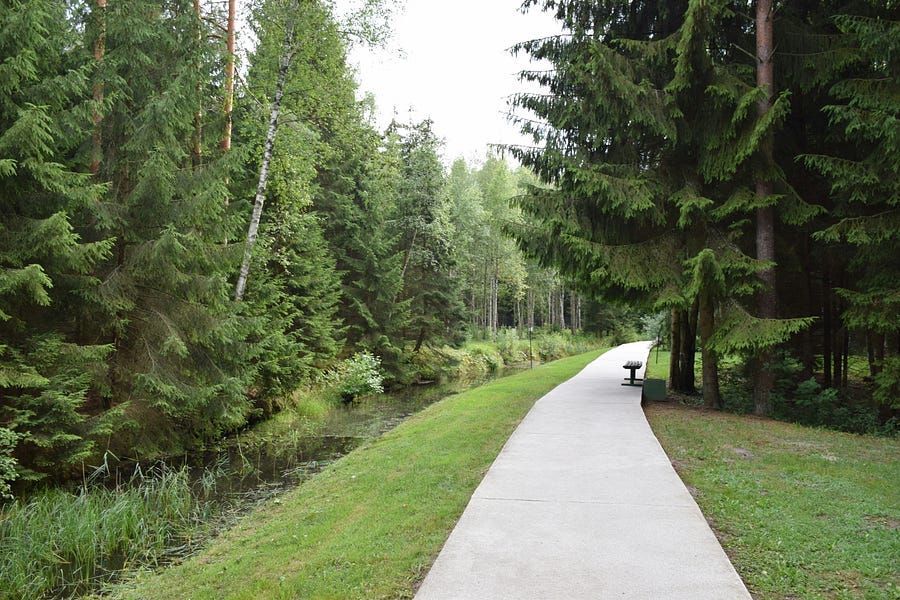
631	379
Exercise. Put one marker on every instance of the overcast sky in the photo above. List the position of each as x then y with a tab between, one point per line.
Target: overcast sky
454	68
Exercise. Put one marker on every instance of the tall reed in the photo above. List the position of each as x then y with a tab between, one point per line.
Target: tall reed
60	543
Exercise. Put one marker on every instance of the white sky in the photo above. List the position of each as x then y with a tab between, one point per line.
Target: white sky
454	68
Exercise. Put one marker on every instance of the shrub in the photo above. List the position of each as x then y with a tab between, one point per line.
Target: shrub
511	347
359	375
887	383
7	462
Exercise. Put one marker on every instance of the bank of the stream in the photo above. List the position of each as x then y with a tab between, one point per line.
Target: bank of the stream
370	524
125	515
63	542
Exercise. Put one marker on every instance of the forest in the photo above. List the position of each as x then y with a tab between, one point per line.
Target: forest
187	237
734	164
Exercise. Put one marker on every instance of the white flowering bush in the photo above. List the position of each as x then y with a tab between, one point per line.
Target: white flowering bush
361	374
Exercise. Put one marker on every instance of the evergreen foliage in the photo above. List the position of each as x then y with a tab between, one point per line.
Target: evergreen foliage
47	364
124	217
429	276
357	192
650	145
864	114
294	288
179	346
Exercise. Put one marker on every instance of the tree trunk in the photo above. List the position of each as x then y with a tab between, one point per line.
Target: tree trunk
846	352
807	351
229	73
878	340
711	396
264	168
573	322
578	311
485	295
97	112
682	377
562	308
530	301
765	216
827	324
495	285
675	354
550	320
520	318
420	340
197	139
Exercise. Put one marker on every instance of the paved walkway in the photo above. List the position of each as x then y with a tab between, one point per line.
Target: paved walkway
583	503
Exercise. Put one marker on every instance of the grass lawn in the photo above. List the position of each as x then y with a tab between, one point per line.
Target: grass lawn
658	364
803	513
371	524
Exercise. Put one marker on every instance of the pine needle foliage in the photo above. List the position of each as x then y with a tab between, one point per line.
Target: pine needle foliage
179	346
864	173
46	366
649	142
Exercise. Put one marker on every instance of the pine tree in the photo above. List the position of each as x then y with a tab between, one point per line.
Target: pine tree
48	369
638	112
180	348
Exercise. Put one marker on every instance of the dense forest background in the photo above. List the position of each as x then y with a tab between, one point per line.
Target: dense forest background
184	242
736	164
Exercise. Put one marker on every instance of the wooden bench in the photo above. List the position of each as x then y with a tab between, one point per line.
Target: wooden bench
633	365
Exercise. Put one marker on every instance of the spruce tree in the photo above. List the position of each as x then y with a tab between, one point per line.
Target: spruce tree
430	283
49	370
357	190
179	347
638	112
861	75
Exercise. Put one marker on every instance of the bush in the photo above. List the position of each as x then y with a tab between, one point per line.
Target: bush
7	462
887	383
359	375
806	402
511	347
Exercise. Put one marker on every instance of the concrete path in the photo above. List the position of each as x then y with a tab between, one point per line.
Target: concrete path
583	503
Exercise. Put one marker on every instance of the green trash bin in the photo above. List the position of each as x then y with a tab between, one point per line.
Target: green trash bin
654	390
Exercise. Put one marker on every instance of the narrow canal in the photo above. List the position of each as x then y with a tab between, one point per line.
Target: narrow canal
232	480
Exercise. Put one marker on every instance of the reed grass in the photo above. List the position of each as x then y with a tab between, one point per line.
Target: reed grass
60	543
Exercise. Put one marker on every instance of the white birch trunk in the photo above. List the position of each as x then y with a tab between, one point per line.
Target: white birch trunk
264	169
562	308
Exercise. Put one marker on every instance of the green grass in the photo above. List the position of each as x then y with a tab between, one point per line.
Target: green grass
61	544
658	364
371	524
803	513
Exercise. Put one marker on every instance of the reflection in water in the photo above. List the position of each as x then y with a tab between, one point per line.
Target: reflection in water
239	477
216	488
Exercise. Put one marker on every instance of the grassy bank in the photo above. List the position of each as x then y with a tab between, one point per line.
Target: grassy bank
371	524
803	513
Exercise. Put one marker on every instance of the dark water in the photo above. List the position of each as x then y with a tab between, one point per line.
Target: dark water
286	461
237	475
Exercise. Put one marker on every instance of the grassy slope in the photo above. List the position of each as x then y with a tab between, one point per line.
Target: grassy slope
372	523
803	513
